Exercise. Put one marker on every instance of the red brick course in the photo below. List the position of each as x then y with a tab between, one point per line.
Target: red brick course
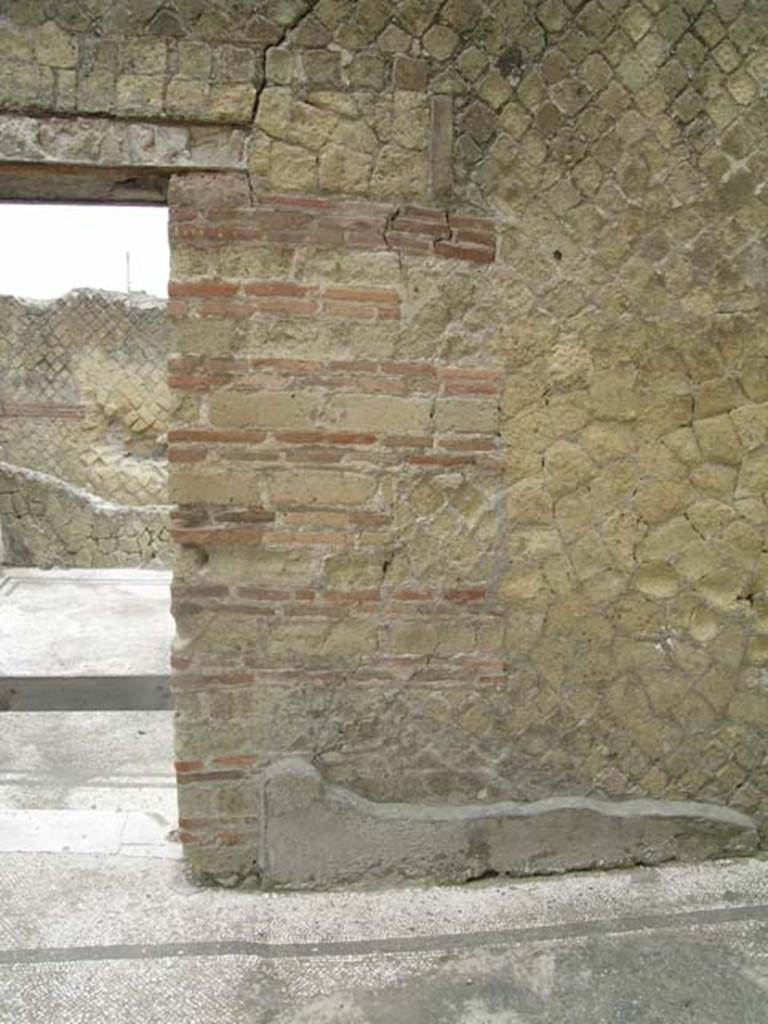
297	221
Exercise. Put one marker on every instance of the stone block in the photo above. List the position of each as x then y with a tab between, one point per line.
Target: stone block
274	110
322	68
410	73
474	416
440	42
144	56
321	487
194	59
344	170
290	567
139	95
280	63
718	440
274	410
353	570
231	103
367	72
188	487
54	47
753	475
379	414
351	638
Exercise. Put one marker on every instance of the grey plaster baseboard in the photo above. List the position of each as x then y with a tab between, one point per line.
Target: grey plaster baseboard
85	693
316	835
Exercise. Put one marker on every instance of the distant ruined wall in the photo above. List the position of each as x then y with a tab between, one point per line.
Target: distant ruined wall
83	392
470	351
47	524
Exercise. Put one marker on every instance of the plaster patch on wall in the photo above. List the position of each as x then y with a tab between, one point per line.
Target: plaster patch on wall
315	835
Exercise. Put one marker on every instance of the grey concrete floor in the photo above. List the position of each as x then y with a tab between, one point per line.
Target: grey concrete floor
98	922
81	622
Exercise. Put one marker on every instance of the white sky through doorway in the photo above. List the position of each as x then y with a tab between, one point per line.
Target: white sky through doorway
48	249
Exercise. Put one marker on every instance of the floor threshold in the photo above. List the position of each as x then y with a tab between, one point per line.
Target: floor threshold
86	693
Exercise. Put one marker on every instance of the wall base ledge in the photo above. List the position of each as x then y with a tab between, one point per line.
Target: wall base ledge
319	836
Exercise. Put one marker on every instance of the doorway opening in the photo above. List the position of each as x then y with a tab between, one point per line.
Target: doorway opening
84	413
85	623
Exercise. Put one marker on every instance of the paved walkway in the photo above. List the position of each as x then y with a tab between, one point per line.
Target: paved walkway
79	639
98	923
84	622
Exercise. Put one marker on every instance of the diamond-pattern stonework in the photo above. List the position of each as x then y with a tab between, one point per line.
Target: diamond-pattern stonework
84	394
469	440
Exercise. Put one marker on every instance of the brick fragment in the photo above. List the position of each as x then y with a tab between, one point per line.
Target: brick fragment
195	289
188	383
206	590
470	373
404	242
264	594
187	454
245	515
314	437
353	596
466	596
217	535
426	213
389	313
236	759
216	436
468	389
354	365
225	307
439	460
465	221
349	310
450	250
275	288
280	306
379	296
404	441
246	609
468	237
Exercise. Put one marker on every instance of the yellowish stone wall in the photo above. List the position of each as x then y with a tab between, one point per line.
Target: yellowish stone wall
629	170
535	228
46	523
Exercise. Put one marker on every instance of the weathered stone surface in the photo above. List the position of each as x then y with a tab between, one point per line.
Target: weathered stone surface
100	142
46	523
473	366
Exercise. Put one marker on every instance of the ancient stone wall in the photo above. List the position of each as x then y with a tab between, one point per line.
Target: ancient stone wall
84	394
470	455
46	523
